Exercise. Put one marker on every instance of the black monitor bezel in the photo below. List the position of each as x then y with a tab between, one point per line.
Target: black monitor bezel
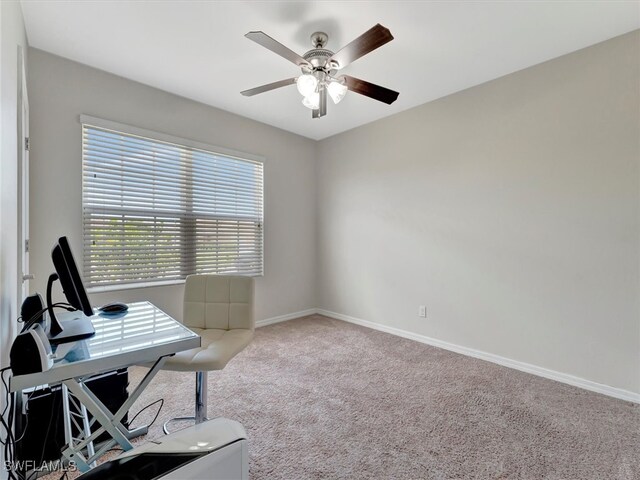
69	276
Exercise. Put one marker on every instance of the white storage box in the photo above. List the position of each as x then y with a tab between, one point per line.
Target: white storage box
213	450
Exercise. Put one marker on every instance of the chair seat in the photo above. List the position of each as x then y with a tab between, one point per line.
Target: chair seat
217	348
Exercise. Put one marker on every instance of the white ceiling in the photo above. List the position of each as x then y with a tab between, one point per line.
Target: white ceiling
197	49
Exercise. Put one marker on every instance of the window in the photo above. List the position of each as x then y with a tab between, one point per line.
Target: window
158	208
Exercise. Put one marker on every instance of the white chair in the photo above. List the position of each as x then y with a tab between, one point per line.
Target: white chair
219	309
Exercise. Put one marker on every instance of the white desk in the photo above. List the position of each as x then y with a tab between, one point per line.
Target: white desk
143	335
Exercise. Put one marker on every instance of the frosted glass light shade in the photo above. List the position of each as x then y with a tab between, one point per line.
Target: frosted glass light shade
312	101
306	84
337	91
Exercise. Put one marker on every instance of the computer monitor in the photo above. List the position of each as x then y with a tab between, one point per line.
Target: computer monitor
73	288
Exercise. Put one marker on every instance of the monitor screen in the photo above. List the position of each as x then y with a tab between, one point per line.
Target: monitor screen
69	276
68	330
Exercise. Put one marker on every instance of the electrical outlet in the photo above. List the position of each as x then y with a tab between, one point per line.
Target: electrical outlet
422	311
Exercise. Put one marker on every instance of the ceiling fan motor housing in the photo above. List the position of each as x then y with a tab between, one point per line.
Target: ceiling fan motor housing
318	56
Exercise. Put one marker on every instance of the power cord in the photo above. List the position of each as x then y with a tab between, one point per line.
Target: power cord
54	407
117	449
10	441
64	305
160	401
9	411
27	323
7	422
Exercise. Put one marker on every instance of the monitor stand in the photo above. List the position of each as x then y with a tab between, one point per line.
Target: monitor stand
67	330
72	330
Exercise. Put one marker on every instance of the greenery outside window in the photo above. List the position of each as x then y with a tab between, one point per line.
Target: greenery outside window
158	208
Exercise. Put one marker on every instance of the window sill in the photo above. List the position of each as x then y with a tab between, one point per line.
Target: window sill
132	286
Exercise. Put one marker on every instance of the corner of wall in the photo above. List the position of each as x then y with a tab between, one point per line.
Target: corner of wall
316	227
494	209
12	38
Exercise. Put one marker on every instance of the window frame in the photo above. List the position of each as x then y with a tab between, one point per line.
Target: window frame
91	121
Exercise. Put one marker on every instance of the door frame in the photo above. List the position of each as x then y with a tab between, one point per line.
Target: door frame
23	178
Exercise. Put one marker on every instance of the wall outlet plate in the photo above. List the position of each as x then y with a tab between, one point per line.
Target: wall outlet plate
422	311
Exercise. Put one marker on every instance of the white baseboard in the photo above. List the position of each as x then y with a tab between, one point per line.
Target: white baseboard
284	318
490	357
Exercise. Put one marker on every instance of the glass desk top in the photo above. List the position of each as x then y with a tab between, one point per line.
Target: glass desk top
139	336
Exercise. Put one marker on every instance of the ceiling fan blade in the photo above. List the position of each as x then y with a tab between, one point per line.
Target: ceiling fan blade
276	47
269	86
371	90
373	38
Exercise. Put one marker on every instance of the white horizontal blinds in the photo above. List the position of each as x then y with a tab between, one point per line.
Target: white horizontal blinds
155	211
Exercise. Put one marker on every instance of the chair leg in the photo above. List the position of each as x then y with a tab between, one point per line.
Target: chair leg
201	403
201	397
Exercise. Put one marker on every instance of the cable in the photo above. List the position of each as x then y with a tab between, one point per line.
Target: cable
8	442
7	390
54	405
14	413
8	406
7	421
160	401
27	323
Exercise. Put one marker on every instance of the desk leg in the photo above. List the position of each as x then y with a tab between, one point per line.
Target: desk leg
136	432
102	416
134	396
70	419
111	423
99	411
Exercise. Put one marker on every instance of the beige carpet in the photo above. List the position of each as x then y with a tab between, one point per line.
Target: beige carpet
324	399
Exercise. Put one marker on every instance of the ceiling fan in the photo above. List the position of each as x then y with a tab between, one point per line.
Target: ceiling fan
319	68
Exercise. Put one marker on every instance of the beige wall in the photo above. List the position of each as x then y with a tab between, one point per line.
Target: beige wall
511	210
61	90
13	41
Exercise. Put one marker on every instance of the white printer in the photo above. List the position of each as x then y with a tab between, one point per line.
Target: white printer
214	450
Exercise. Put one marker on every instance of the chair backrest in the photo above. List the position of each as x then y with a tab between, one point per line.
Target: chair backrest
218	301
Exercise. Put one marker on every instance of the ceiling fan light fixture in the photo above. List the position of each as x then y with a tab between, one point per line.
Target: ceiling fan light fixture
316	82
312	101
337	90
306	84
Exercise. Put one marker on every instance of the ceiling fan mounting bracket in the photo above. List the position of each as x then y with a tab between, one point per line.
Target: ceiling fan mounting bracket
319	39
318	57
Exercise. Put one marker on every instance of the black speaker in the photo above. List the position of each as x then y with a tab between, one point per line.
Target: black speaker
31	310
31	352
